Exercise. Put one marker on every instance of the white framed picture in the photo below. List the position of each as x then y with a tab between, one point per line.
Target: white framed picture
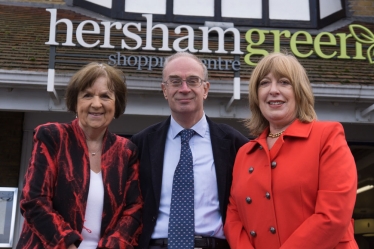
8	204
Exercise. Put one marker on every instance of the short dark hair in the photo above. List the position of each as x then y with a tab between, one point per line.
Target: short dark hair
86	76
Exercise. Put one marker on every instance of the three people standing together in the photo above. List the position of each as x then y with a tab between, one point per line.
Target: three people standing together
292	187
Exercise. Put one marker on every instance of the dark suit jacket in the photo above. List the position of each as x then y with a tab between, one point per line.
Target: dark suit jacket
226	141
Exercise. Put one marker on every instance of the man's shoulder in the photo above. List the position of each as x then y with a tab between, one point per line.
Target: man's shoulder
150	129
224	128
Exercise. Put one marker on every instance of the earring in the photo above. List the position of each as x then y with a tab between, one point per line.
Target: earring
76	115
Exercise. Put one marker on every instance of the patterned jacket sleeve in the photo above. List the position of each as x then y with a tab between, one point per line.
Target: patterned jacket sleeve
36	200
128	228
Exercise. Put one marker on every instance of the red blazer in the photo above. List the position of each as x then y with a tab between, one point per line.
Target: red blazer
299	194
56	185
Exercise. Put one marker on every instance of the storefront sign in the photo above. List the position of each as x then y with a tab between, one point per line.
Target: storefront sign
148	62
361	34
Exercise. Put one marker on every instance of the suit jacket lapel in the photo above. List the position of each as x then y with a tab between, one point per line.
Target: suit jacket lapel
157	141
221	149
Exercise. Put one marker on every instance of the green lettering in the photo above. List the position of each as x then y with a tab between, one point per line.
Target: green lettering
343	45
294	42
318	43
277	34
359	55
250	49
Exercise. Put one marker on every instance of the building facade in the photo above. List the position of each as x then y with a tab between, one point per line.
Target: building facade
44	42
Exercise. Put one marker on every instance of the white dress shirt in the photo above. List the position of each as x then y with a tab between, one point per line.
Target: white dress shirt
208	220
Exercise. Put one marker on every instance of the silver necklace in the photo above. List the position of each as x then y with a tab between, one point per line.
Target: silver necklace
94	153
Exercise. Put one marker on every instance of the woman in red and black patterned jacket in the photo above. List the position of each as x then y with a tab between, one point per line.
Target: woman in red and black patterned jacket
81	188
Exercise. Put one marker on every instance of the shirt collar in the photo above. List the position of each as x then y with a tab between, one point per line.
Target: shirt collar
200	127
296	129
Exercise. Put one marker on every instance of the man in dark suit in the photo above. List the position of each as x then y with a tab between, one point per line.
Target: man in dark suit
213	147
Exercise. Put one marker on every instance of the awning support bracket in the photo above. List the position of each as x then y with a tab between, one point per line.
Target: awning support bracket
236	89
51	76
236	94
367	110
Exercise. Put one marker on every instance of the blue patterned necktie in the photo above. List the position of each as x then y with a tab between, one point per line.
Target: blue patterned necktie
182	221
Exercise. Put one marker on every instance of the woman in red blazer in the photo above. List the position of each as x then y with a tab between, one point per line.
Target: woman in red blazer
81	188
294	186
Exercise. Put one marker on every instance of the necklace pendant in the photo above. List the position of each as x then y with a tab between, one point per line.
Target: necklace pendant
93	153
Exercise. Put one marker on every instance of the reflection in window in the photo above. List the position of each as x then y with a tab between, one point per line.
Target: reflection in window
146	6
242	8
3	205
327	8
7	215
289	10
106	3
193	7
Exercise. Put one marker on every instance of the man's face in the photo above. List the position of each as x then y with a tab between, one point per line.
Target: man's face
185	100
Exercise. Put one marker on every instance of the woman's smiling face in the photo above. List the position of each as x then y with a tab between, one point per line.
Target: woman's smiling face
277	100
96	105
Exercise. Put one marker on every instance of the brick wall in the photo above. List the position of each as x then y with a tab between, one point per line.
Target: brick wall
362	8
11	131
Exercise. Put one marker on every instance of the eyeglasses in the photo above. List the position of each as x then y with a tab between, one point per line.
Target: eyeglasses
191	81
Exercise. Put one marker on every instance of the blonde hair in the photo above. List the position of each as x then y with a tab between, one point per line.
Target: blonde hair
280	65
